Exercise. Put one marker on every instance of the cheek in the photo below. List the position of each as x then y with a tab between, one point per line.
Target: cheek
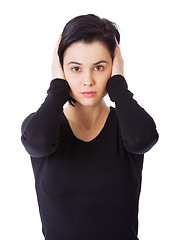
73	84
69	78
109	73
105	78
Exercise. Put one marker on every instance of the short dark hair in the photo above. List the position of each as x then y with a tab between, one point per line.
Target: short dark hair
89	28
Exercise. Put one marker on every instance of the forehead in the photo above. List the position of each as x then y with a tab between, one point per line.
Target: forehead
86	53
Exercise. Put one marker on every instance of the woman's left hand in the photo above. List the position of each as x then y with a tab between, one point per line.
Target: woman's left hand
118	62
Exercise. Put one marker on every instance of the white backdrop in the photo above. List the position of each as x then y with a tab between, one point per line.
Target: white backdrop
29	31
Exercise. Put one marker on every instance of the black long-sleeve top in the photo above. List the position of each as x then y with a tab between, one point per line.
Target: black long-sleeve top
89	190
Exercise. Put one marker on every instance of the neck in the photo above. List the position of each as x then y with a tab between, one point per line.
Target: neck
86	116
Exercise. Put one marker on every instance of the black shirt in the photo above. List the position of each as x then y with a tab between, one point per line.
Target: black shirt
89	190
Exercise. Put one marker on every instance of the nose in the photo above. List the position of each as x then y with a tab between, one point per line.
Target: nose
88	79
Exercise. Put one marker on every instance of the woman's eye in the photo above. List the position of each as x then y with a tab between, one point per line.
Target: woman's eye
75	69
99	68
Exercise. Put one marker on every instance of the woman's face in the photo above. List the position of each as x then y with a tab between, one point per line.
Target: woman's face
87	68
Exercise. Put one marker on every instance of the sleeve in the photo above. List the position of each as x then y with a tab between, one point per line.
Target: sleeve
40	130
137	128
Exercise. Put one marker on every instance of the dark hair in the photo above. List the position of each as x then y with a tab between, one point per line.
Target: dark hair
89	28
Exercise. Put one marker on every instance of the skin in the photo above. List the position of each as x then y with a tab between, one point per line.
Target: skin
87	67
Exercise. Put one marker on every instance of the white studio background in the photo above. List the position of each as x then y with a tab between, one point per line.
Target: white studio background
29	31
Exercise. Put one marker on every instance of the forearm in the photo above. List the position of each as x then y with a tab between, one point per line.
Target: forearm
138	129
40	133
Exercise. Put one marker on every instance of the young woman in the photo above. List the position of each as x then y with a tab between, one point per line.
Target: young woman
88	158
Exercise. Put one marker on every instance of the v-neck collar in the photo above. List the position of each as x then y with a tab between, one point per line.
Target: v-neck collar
95	138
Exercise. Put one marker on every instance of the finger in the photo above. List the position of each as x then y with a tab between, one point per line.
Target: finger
116	41
59	40
117	50
58	43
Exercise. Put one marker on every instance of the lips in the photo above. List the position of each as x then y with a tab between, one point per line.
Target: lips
88	94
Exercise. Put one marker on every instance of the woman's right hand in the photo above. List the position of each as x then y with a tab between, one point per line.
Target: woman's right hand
56	68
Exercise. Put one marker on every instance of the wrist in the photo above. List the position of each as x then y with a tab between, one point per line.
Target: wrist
117	72
116	86
58	75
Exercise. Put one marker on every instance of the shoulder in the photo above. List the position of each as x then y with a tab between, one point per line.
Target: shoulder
112	120
113	113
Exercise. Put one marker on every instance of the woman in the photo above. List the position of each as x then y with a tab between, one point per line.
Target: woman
88	158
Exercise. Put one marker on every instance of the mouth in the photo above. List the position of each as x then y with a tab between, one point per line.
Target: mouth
88	94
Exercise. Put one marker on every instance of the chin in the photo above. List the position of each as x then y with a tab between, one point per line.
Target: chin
89	102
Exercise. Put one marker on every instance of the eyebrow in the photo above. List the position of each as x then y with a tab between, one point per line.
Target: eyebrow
102	61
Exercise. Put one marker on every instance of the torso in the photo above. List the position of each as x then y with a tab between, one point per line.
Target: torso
89	190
